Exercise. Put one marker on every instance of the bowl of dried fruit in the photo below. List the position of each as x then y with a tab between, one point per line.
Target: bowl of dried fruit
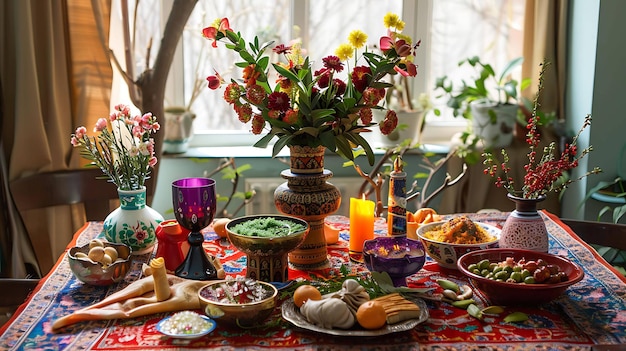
519	277
100	262
239	301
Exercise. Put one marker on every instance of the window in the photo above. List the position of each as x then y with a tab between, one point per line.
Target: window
450	30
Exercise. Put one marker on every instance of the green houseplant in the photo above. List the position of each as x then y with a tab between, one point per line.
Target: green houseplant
490	101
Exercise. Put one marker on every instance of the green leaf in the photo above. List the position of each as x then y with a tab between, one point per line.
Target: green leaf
516	317
286	73
264	141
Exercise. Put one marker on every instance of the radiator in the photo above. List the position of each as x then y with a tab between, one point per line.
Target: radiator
263	202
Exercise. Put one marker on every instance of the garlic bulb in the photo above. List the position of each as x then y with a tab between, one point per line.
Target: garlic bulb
352	293
328	313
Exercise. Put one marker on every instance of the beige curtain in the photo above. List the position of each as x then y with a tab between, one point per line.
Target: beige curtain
55	76
545	37
545	34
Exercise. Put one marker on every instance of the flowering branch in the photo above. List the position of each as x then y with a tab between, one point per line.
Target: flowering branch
546	174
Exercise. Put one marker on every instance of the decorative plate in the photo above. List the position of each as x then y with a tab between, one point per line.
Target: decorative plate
160	327
292	313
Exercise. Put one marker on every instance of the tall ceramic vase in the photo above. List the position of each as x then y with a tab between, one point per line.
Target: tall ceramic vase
524	228
133	223
308	195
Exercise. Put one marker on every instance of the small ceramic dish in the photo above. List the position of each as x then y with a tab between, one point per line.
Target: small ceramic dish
181	321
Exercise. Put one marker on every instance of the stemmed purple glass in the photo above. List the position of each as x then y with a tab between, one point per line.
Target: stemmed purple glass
194	208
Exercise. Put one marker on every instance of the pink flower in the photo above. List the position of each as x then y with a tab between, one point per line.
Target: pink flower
153	161
80	132
101	125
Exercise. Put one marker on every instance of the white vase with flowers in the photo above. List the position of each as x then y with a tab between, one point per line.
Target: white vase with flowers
124	151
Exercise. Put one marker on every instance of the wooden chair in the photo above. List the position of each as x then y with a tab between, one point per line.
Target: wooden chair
609	235
57	188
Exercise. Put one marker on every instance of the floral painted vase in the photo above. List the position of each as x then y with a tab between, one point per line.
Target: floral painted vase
524	228
133	223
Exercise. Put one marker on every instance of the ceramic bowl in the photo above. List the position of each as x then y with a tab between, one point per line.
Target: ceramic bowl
503	293
400	257
95	273
238	314
267	257
446	254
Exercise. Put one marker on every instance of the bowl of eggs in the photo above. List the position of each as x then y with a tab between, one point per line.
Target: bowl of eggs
100	262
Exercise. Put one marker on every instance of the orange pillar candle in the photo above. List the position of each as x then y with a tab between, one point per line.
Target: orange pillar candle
361	223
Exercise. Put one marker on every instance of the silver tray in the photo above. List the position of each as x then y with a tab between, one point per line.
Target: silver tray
292	313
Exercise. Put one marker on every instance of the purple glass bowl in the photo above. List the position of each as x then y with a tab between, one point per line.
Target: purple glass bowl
399	256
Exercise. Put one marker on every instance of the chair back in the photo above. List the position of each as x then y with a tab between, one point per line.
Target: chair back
599	233
69	187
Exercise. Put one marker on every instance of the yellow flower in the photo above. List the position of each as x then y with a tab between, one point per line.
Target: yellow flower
344	51
357	38
392	20
404	37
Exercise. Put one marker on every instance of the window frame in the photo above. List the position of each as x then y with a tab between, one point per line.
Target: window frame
416	13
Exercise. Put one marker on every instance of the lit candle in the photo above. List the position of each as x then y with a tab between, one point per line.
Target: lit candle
361	223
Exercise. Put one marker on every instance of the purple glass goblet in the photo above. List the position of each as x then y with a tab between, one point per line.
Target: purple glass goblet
194	207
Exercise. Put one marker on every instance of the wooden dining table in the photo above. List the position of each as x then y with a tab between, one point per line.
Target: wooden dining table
590	315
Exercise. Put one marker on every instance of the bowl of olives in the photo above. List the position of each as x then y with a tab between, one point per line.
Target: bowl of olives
519	277
100	262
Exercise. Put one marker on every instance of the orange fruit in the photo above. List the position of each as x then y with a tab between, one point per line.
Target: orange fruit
304	293
219	226
371	315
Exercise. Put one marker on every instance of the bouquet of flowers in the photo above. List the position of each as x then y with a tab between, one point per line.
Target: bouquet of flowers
315	107
123	150
546	174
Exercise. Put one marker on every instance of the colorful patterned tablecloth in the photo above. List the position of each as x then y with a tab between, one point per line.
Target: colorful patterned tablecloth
590	312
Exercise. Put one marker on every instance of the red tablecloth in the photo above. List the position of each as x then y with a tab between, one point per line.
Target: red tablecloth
590	312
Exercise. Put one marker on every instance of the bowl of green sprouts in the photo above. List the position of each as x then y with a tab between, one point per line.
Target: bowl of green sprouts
267	240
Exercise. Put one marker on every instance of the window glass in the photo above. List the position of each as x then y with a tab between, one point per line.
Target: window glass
456	29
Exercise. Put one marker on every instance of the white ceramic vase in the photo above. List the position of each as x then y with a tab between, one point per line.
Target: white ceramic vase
494	132
133	223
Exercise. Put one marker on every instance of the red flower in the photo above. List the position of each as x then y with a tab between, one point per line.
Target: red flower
333	62
244	112
250	75
255	94
282	49
340	85
257	124
365	114
389	123
215	34
215	81
410	71
278	101
360	77
291	117
324	78
233	92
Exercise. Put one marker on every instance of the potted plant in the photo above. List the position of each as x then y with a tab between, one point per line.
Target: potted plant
410	112
491	102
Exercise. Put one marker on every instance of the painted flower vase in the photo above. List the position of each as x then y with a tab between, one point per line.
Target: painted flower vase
133	223
524	228
308	195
